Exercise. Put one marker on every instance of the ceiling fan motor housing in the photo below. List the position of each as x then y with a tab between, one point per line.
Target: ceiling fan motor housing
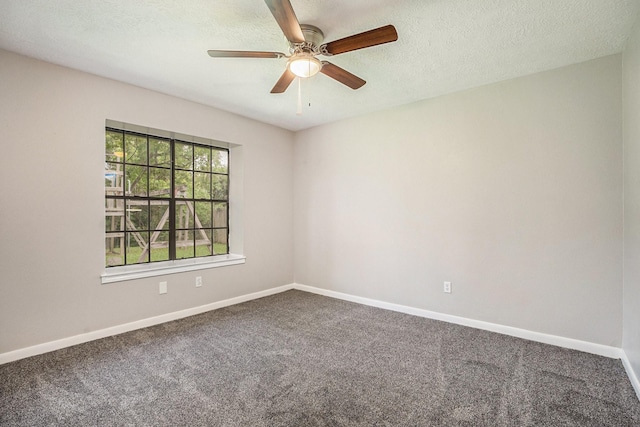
313	39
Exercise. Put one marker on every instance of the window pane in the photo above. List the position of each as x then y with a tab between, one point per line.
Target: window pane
220	241
114	214
220	215
137	215
203	185
184	244
202	158
203	214
184	184
113	147
159	182
159	215
113	179
204	246
136	180
184	215
135	149
113	249
184	155
220	161
137	251
220	184
159	152
160	246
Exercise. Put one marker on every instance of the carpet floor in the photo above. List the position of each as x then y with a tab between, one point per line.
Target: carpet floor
299	359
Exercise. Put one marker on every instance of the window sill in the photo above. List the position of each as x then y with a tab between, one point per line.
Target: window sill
131	272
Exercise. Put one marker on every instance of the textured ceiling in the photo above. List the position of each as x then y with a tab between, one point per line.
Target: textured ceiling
444	46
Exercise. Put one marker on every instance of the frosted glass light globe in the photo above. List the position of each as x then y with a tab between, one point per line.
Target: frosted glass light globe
304	66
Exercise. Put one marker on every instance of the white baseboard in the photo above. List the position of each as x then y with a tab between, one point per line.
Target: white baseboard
599	349
633	377
127	327
588	347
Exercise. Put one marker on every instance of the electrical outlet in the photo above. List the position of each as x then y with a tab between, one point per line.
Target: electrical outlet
198	281
447	287
163	287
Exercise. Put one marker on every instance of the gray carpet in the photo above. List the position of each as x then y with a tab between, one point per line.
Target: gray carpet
298	359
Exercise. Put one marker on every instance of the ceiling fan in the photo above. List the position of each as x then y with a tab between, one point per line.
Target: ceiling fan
306	43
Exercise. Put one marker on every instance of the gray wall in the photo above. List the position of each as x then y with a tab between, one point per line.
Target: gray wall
512	191
52	221
631	107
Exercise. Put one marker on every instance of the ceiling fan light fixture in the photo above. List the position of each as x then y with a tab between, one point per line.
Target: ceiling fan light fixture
304	66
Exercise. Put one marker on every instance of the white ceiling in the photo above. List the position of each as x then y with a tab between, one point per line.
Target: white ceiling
443	46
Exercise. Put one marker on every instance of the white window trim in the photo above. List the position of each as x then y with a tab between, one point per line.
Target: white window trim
140	271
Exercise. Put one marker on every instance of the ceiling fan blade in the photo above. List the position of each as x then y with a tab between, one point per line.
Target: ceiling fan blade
244	54
286	19
341	75
369	38
283	83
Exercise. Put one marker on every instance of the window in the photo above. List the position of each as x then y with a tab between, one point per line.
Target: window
165	198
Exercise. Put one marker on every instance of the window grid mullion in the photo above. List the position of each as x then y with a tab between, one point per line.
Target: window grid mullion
123	225
172	205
